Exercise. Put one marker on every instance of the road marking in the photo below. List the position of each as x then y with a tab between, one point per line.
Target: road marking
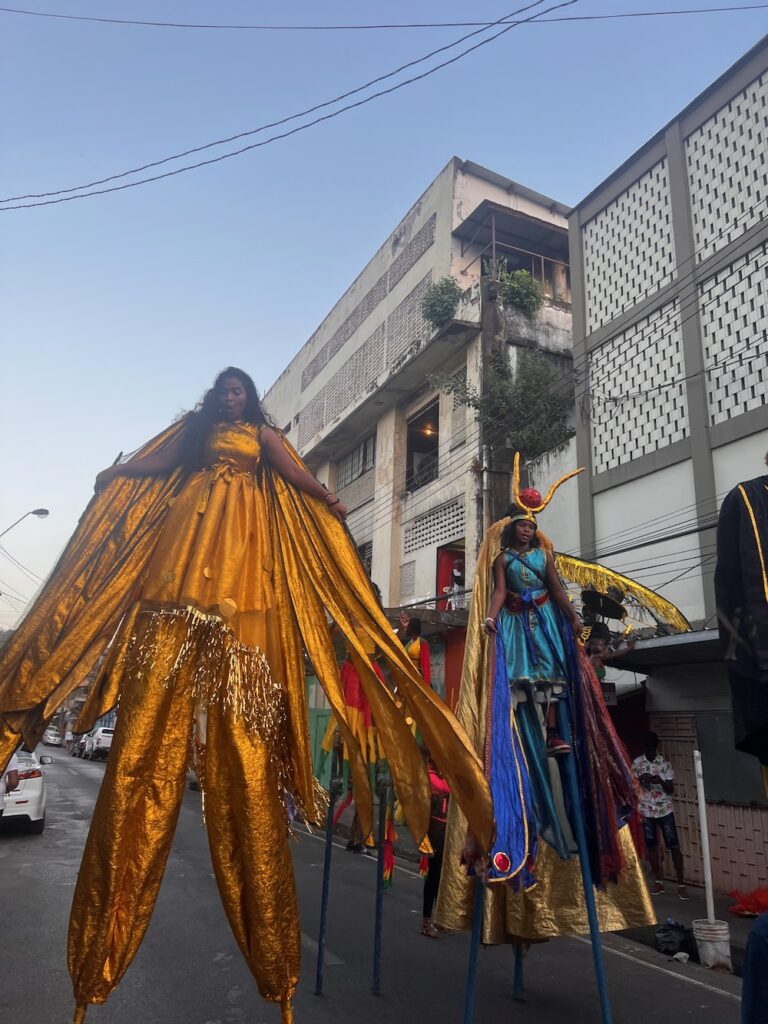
329	959
372	860
662	970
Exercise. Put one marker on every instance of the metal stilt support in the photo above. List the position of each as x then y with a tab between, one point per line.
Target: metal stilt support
518	984
334	792
586	871
474	946
384	799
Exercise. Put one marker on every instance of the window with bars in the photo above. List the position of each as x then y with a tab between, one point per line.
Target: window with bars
358	461
422	448
366	555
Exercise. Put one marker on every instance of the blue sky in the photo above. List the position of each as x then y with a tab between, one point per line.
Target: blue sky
118	310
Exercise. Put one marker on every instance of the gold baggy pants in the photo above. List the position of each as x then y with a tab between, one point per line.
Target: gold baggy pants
133	826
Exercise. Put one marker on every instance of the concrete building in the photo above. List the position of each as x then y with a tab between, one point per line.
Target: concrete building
670	277
410	462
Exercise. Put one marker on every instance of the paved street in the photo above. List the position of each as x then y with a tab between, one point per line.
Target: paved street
189	968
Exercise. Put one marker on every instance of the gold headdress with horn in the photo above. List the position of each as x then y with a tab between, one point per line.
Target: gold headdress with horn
529	501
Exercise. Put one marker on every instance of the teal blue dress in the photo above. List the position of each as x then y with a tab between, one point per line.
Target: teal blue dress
531	634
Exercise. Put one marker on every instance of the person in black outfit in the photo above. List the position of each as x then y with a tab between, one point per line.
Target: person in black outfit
741	592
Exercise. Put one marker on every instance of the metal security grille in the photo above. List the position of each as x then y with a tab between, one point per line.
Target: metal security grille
727	170
389	342
366	555
342	335
311	418
409	257
407	581
413	251
638	401
349	381
358	461
734	326
405	324
629	248
437	526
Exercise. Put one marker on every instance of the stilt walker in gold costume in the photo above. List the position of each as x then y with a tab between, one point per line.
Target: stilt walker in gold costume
196	575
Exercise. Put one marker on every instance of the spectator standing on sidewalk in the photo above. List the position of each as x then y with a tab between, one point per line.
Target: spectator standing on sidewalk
657	783
432	865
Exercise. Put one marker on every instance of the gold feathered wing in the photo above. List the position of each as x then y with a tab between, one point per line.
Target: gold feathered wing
600	578
320	570
79	609
555	906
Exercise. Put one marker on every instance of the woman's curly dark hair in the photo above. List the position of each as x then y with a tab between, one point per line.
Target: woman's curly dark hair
508	537
208	412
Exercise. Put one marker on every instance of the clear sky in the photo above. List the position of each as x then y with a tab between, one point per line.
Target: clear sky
117	311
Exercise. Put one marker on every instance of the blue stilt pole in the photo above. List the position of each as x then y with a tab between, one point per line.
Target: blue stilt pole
474	946
333	792
384	791
586	871
518	986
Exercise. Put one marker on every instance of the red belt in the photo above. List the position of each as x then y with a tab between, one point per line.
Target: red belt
513	603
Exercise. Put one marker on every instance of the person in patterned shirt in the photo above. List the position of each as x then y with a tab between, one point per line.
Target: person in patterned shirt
656	777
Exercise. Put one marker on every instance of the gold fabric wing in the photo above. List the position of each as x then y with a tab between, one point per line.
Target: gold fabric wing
79	609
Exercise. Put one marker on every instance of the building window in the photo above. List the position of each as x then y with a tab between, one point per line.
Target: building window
421	465
358	461
366	555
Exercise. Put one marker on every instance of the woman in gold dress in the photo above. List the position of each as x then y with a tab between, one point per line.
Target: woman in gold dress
200	570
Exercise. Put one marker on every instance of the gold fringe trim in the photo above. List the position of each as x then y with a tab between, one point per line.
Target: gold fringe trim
227	673
591	574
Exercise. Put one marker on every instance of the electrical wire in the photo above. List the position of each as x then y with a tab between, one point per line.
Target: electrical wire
19	565
373	27
505	20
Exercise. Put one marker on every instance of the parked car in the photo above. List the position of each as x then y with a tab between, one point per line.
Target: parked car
97	744
27	802
52	736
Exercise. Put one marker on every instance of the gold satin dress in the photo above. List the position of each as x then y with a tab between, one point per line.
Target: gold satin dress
221	688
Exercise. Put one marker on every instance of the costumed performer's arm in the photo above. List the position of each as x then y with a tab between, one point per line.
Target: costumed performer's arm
279	459
498	595
559	596
160	464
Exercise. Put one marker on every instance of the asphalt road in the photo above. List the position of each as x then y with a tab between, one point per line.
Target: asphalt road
190	970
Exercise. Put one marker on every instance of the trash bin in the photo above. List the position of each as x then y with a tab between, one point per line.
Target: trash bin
713	941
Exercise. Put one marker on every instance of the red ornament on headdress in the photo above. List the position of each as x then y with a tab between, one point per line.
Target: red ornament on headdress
530	497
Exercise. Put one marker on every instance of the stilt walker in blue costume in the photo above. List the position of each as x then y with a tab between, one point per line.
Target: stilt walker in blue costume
562	862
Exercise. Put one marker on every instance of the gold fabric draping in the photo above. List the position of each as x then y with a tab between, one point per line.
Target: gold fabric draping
206	590
555	906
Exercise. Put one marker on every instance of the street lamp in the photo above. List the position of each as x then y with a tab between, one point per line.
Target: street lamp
41	513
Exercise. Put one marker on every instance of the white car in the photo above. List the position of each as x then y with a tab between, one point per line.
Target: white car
27	802
52	737
98	743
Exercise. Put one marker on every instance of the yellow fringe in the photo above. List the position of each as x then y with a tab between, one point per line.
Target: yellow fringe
80	1011
590	574
228	674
